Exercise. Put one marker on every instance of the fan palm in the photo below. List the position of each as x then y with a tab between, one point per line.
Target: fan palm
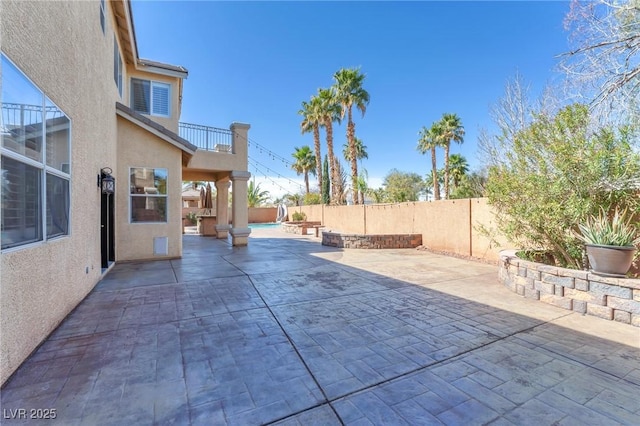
305	163
361	150
458	168
428	141
330	111
311	121
451	130
349	93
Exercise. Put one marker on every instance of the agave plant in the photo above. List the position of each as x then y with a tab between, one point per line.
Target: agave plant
620	230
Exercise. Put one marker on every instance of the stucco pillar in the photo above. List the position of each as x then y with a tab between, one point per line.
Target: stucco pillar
240	137
222	208
240	230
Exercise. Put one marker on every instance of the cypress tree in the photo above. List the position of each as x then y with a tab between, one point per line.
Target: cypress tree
326	196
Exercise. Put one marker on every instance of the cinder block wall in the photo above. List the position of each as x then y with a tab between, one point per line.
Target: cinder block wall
453	226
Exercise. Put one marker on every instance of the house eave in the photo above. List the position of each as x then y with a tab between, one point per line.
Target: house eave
158	130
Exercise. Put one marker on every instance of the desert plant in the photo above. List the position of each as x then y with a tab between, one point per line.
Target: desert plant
299	216
191	217
619	230
558	172
312	198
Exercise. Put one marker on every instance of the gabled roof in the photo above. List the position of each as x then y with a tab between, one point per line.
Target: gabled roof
187	148
127	34
161	68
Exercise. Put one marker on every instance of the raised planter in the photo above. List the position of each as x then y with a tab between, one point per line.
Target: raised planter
616	299
377	241
298	227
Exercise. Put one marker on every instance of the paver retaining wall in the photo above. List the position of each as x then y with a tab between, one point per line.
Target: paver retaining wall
335	239
616	299
298	227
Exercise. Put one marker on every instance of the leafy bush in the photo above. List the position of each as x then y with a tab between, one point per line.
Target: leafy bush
557	174
312	198
299	216
191	217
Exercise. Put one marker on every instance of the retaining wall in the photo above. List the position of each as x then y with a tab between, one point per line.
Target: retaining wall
616	299
361	241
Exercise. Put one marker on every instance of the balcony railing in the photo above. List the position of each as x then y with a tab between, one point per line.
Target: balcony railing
207	138
18	116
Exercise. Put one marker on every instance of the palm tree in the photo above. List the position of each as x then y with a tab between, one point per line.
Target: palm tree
458	168
451	130
305	163
256	197
428	141
361	150
363	185
311	121
296	199
349	93
329	111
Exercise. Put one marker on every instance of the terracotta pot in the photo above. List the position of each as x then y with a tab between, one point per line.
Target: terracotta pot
610	260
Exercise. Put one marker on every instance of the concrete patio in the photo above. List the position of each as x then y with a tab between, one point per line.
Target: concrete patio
289	332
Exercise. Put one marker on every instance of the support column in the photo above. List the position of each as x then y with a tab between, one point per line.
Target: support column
222	207
240	140
240	230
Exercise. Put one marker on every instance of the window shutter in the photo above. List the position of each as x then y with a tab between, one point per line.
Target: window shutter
141	96
161	99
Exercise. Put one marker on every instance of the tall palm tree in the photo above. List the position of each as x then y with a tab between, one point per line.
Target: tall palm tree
361	150
349	93
458	168
305	163
428	140
451	130
330	111
311	121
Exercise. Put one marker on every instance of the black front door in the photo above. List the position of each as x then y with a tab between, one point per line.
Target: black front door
107	234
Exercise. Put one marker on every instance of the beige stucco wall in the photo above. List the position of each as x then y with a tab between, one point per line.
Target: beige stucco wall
41	284
453	226
262	214
171	122
139	148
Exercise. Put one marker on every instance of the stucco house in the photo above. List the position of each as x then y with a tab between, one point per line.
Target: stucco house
93	158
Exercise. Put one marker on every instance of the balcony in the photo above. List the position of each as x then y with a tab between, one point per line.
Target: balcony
207	138
220	151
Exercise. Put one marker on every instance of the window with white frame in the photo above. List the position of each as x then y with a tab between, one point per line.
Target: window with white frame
148	194
35	172
103	19
117	65
151	97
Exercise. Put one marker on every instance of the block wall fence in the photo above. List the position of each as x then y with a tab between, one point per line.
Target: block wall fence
451	226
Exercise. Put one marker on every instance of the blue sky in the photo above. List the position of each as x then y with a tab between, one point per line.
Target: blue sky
255	62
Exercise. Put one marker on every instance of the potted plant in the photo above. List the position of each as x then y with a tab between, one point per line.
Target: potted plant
610	242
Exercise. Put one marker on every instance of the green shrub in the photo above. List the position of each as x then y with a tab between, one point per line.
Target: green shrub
299	216
312	198
191	217
558	173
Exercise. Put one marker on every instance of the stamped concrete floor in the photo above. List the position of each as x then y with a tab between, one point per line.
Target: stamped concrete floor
289	332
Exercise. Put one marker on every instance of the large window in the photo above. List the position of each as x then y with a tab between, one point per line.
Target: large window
102	17
117	65
150	97
148	194
35	172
